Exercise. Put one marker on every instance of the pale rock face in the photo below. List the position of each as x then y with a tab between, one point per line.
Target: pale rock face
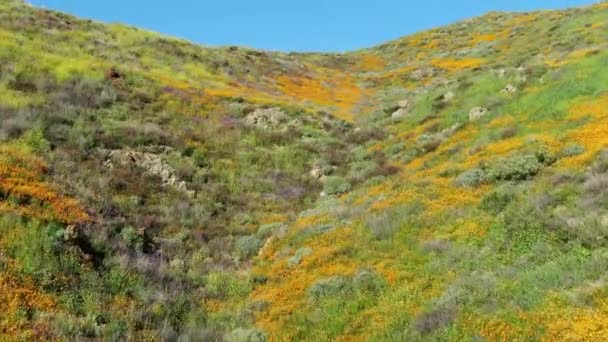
401	112
317	172
268	118
422	73
510	89
448	96
320	171
502	73
403	109
448	132
152	163
478	113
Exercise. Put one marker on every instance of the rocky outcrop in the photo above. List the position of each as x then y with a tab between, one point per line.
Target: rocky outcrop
423	73
266	118
478	113
510	89
150	162
403	109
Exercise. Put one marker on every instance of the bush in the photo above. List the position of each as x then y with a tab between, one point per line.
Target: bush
430	142
362	170
247	246
497	200
385	224
36	142
336	185
516	168
508	132
359	154
368	281
267	230
572	150
335	286
296	259
435	319
381	226
200	158
225	284
471	178
14	123
132	239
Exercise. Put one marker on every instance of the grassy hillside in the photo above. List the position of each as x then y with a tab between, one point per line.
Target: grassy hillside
449	185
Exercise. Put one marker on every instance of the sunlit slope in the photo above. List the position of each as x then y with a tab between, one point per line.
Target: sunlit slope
493	226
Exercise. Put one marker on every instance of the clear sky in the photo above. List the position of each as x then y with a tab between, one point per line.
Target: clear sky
292	25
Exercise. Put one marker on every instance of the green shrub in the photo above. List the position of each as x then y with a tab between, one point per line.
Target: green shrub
327	288
471	178
296	259
227	285
267	230
247	246
385	224
117	281
200	158
498	199
132	238
336	185
382	226
572	150
362	170
430	142
433	320
369	282
36	142
395	148
515	168
359	154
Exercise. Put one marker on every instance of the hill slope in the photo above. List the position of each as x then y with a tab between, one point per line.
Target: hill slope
448	185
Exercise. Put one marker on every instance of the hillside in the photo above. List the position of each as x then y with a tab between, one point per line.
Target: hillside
449	185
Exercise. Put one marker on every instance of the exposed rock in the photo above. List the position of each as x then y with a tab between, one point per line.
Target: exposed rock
420	74
403	104
522	78
502	73
478	113
268	118
403	109
510	89
447	96
441	81
448	132
401	112
71	232
151	162
320	170
317	172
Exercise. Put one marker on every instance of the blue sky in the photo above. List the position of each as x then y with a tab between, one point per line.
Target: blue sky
292	25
